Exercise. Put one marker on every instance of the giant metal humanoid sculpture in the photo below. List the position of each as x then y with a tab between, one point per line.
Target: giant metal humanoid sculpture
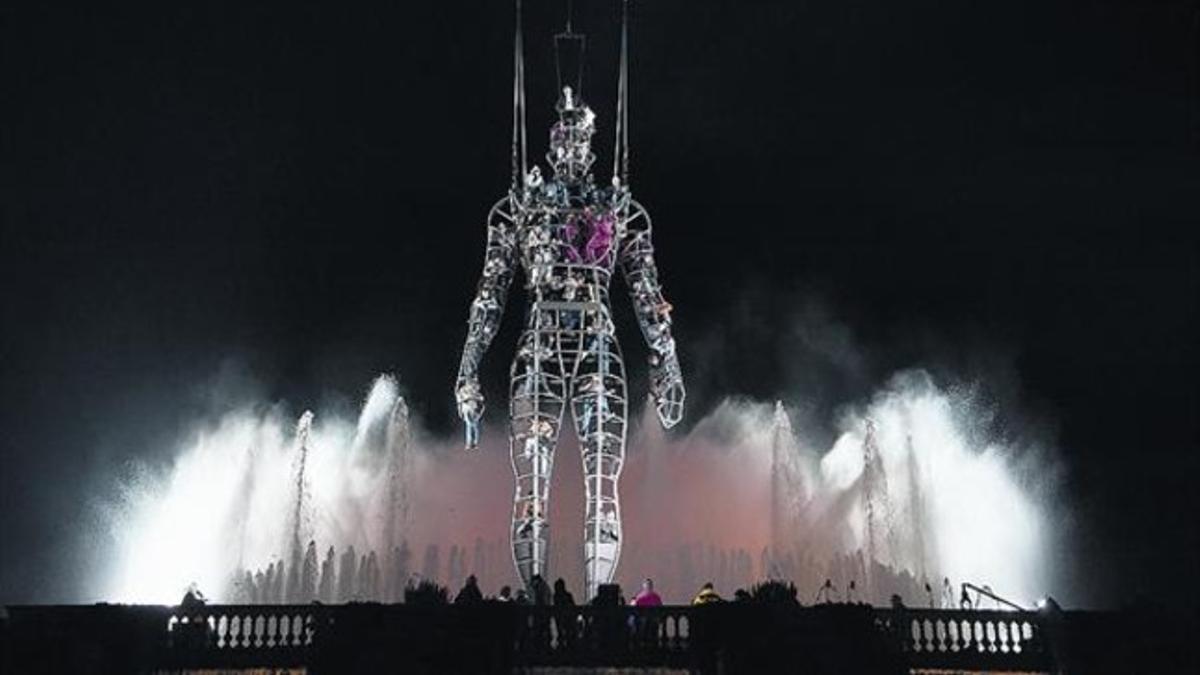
569	235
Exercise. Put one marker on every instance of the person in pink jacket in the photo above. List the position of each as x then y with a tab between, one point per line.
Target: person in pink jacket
647	597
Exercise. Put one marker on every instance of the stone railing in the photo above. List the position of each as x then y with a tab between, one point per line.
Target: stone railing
961	638
727	637
604	635
243	627
279	635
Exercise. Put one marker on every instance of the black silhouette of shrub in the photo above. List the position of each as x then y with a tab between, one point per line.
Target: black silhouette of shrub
427	593
774	593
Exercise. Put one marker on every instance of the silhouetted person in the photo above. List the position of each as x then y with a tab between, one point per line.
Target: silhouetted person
565	618
607	629
562	597
947	593
964	601
539	590
192	629
897	601
505	594
470	594
707	595
608	595
827	592
851	592
193	602
522	597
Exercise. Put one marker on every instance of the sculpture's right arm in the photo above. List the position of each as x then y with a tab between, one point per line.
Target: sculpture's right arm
487	309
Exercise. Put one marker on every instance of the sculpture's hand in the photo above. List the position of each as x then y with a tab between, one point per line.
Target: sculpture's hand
469	397
666	385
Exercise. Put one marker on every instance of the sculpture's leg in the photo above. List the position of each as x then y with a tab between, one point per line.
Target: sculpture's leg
599	407
536	403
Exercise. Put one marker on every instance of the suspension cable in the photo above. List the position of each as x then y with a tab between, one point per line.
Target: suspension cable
519	157
621	144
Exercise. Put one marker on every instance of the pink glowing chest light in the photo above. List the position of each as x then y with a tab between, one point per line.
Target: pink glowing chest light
588	237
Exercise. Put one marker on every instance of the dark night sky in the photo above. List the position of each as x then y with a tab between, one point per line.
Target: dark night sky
296	194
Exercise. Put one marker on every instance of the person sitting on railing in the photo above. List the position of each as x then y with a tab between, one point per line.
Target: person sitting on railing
192	628
193	601
470	593
647	597
964	601
707	595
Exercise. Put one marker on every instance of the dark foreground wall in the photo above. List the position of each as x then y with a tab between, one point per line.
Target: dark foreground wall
493	637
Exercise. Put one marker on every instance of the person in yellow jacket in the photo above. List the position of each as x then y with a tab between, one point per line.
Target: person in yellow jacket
706	595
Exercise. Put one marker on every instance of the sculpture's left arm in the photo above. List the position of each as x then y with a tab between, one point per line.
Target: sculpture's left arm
636	258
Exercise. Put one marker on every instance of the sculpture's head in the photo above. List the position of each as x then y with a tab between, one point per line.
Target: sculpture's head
570	151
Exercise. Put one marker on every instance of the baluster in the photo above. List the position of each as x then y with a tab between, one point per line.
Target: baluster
1032	637
927	636
991	636
297	626
954	634
285	631
235	632
1014	634
1002	634
260	627
940	635
222	629
914	634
